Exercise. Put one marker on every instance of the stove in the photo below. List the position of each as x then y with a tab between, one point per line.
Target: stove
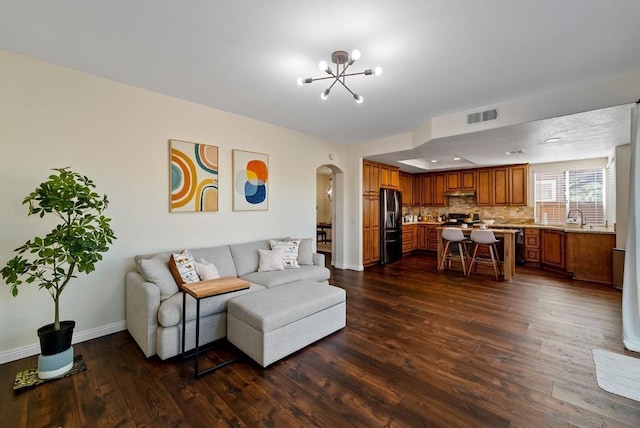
460	219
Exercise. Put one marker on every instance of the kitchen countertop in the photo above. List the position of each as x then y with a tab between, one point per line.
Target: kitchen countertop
570	228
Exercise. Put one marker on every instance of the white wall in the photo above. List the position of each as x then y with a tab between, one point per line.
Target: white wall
118	135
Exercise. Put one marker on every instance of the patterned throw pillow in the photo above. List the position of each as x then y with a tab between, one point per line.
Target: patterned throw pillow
183	268
206	270
290	248
271	260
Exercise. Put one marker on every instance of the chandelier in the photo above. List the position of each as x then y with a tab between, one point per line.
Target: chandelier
343	61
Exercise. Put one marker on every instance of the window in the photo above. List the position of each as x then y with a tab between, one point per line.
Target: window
556	193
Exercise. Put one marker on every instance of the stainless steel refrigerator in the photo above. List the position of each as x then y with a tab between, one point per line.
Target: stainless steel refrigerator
390	225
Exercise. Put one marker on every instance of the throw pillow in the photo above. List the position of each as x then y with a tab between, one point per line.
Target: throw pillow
271	260
206	270
183	268
290	248
157	271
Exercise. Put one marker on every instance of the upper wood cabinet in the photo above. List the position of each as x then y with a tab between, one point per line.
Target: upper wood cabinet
439	187
376	175
484	186
502	186
389	177
417	189
426	187
518	179
461	180
406	187
453	180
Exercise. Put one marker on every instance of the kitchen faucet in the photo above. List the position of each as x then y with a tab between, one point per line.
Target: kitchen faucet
583	222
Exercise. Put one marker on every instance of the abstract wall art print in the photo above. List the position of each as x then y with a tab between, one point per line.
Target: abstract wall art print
194	177
250	181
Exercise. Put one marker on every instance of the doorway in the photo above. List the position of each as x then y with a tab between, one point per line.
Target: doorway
324	209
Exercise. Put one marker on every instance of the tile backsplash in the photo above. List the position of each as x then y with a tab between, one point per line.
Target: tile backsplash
467	205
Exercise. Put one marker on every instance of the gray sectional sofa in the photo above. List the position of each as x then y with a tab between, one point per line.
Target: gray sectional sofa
154	304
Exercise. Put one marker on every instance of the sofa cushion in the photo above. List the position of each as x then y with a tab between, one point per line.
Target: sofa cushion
219	256
245	256
276	278
170	311
271	260
155	269
305	251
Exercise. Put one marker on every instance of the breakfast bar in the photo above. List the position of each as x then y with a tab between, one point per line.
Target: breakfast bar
509	251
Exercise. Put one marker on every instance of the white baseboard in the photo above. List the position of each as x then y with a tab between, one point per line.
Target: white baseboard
81	336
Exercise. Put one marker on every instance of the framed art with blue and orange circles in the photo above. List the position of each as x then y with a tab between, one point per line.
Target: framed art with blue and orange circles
250	181
194	177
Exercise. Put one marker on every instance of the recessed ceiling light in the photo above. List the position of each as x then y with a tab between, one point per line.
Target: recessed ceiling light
434	160
514	152
552	140
456	158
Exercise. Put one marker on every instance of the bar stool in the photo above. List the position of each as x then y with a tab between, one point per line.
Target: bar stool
321	236
488	239
455	236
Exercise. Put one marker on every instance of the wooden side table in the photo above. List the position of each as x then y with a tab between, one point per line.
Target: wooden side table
202	290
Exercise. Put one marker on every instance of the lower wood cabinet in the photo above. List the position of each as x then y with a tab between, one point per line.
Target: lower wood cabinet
422	237
532	246
432	237
589	256
370	230
552	243
408	238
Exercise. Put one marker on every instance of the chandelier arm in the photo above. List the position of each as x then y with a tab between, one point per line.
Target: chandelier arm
345	86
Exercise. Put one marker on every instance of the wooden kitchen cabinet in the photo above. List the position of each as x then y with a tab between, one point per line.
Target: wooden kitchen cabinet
468	179
483	187
426	190
502	186
406	187
370	178
389	176
422	237
500	179
518	179
589	256
453	180
432	237
439	187
370	229
464	179
532	246
408	238
552	245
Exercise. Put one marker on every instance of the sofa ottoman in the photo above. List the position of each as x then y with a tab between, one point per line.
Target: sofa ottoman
270	324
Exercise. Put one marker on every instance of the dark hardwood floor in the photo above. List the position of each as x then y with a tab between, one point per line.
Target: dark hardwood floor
421	348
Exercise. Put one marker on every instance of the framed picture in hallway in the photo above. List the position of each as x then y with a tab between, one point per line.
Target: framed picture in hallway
193	177
250	181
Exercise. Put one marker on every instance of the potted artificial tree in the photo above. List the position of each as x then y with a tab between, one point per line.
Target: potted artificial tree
74	245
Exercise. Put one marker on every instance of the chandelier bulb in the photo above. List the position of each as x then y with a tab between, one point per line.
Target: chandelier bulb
325	94
378	71
300	81
358	98
355	55
322	65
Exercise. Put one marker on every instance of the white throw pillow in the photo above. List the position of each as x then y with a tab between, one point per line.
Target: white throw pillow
182	266
206	270
271	260
290	248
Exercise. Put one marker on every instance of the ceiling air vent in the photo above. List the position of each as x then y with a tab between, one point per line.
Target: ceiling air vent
482	116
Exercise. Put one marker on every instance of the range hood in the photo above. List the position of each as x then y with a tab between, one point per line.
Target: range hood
460	193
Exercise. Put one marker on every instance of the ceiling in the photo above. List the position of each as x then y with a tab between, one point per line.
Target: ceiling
438	57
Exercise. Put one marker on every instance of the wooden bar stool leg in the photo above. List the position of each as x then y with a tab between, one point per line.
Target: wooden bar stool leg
473	259
462	257
444	256
493	261
495	248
